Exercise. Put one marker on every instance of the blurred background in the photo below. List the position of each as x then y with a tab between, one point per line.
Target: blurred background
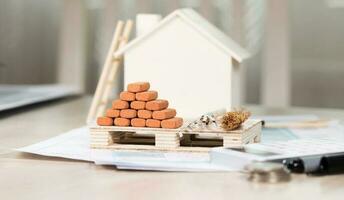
297	47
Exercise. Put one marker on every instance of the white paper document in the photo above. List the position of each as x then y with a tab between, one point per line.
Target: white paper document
158	161
74	144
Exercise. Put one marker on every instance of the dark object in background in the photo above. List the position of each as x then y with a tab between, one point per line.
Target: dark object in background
317	165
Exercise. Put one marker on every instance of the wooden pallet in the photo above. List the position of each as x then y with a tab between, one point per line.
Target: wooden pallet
132	138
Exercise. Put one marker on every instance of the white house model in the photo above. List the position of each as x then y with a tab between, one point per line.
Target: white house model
189	61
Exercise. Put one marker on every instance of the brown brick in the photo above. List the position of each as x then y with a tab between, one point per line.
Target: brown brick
104	121
138	87
112	113
153	123
128	113
164	114
138	105
137	122
158	104
145	114
172	123
127	96
119	104
147	96
122	122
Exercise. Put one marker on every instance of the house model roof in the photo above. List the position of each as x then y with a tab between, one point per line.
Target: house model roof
199	23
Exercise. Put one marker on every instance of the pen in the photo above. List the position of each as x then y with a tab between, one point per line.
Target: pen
317	165
331	164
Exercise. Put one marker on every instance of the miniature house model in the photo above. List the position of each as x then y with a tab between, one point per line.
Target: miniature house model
190	61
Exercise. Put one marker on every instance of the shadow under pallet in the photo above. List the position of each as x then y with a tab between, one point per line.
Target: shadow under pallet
159	139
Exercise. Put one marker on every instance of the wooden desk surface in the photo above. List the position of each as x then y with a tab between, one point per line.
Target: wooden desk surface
25	176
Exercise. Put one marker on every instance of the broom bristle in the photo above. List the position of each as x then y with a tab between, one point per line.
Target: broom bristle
232	120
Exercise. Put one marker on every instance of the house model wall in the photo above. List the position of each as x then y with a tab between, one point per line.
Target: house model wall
189	61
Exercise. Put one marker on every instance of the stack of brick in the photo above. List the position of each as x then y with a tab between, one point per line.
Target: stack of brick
139	107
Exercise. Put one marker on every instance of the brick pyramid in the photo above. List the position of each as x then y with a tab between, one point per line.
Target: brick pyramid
139	107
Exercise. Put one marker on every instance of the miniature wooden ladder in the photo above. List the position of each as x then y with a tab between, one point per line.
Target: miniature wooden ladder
111	65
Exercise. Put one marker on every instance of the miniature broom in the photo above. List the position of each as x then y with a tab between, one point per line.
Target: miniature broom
232	120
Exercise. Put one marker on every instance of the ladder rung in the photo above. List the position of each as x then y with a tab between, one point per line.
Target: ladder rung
116	58
110	82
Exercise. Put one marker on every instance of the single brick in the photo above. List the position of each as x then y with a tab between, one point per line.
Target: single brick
122	122
104	121
164	114
138	105
145	114
147	96
128	113
153	123
119	104
137	122
158	104
138	87
112	113
127	96
172	123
